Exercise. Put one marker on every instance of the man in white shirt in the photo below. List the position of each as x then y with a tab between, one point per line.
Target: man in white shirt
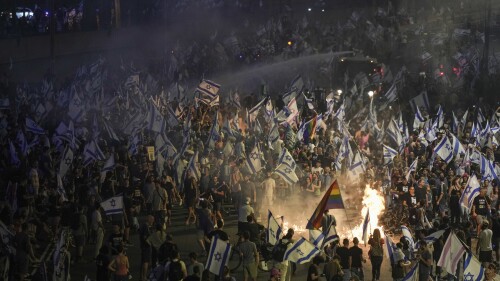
244	211
98	228
268	186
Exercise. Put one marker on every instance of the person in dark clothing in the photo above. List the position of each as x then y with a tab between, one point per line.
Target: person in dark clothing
344	254
495	227
313	273
146	249
357	259
253	228
167	249
219	233
102	261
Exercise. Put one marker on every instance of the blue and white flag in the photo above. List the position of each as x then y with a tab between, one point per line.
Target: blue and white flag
76	108
254	111
113	205
395	134
193	166
92	152
32	126
356	168
66	161
274	229
412	275
473	270
164	146
156	122
474	131
316	237
487	168
391	248
309	102
454	123
444	150
421	100
340	113
301	251
274	136
439	117
389	154
458	148
419	119
286	173
14	159
254	160
431	238
330	236
366	225
407	234
286	158
480	116
109	165
214	136
218	256
133	146
209	89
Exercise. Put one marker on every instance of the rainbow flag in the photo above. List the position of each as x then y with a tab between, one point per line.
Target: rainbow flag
331	200
310	129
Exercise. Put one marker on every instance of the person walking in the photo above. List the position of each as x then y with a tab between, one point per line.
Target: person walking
98	228
120	265
250	257
345	258
159	200
333	270
484	247
376	253
357	259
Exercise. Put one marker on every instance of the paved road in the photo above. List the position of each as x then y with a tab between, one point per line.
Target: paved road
185	237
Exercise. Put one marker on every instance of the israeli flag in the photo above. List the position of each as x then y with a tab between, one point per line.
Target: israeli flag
66	161
472	268
458	148
273	229
430	239
412	275
316	237
254	163
309	102
390	247
407	234
32	126
454	124
286	158
444	150
218	256
286	173
487	169
331	235
439	117
419	119
413	168
193	166
209	89
302	251
389	154
113	205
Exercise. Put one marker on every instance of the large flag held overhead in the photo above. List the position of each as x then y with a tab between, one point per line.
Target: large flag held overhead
286	158
444	150
113	205
389	154
273	229
286	173
209	89
331	200
413	168
301	251
316	237
218	256
470	192
472	268
254	162
453	251
32	126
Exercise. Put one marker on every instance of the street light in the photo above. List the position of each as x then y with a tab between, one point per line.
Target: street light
339	92
370	94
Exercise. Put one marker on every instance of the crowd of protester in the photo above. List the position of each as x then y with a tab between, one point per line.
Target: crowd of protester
40	206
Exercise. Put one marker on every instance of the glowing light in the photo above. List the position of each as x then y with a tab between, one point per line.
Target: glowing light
309	9
289	43
374	200
370	93
339	92
296	228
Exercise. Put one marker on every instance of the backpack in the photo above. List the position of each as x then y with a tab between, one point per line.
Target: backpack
279	250
175	271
